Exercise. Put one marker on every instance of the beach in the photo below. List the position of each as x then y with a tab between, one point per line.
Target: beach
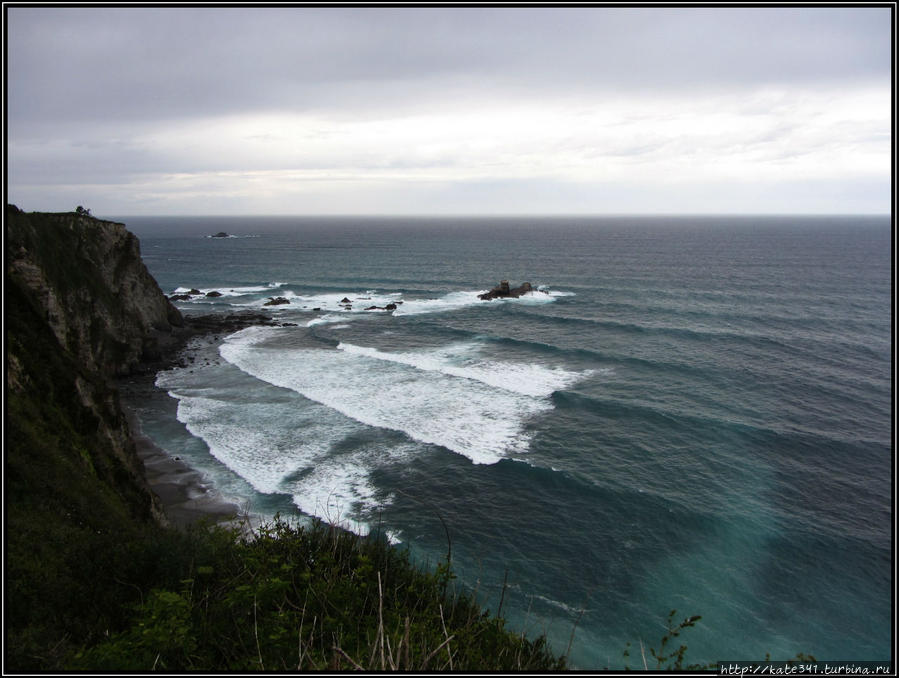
185	494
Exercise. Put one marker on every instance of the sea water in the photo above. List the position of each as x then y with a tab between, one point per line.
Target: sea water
688	413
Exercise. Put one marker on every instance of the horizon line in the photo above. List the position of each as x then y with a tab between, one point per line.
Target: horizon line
533	215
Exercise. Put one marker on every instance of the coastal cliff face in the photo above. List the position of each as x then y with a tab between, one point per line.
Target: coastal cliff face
81	308
88	278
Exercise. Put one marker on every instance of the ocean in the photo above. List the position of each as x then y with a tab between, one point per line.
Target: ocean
688	413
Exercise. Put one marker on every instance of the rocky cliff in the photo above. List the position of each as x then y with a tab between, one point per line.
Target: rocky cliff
88	278
81	308
82	526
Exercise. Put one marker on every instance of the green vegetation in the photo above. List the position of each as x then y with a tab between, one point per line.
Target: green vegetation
315	598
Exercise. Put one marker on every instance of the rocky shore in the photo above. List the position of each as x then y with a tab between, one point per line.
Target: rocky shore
185	495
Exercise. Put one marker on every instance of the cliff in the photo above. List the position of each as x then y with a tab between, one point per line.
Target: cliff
87	277
81	308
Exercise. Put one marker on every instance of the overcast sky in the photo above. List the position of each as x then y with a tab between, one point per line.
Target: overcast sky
593	110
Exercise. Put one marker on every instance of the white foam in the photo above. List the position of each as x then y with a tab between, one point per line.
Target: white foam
559	604
278	445
467	416
448	302
456	360
257	445
456	300
339	489
359	302
326	320
233	291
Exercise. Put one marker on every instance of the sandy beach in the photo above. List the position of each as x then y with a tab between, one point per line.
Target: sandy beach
185	497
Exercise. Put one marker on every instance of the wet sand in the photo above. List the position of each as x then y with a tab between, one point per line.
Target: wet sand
184	495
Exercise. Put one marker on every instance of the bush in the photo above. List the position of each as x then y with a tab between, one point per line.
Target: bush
309	599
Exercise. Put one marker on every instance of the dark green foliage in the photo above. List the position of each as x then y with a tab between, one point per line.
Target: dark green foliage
70	502
667	657
60	251
310	599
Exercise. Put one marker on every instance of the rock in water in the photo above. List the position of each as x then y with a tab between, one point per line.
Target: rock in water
503	291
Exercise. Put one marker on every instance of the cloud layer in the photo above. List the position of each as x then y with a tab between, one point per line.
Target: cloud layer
449	110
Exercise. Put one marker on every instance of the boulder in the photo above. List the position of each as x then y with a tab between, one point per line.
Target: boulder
179	297
194	290
220	234
345	301
504	291
275	301
214	293
388	307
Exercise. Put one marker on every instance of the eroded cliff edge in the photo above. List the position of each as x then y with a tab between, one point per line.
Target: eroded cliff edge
87	276
81	309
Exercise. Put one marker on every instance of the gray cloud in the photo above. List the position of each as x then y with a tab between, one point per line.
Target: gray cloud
155	63
111	96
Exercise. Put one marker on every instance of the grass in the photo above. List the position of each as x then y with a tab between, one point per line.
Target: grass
309	599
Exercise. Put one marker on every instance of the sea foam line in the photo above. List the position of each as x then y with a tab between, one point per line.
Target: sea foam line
474	419
524	378
280	446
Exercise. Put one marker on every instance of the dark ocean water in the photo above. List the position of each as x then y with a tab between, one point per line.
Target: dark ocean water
690	413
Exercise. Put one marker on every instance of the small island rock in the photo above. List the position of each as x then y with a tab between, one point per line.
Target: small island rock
503	291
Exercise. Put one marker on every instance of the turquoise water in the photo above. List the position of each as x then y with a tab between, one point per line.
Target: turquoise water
689	413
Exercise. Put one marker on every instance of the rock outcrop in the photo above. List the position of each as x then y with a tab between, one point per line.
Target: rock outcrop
503	291
81	309
87	277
